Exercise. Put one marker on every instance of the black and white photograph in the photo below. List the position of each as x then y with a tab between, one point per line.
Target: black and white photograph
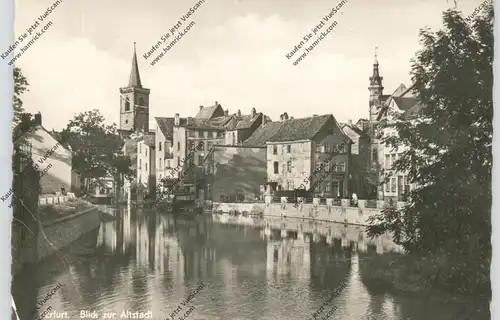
251	159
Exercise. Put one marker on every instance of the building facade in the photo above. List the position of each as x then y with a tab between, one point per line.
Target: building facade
146	165
393	183
164	152
298	147
361	181
51	158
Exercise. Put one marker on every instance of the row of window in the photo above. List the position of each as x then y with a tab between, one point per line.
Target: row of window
287	147
331	148
201	145
327	148
205	134
336	167
335	187
393	183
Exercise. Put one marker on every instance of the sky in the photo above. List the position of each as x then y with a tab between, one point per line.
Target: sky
234	54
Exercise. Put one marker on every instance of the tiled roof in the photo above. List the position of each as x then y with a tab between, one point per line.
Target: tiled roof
300	129
288	130
166	126
413	111
209	112
263	134
354	128
405	103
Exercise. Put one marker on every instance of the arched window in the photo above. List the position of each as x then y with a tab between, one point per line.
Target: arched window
159	146
127	104
141	102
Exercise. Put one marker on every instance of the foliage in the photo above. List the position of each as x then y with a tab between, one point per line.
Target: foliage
448	154
20	86
97	147
49	212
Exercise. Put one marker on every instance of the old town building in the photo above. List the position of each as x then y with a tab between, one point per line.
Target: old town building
361	181
297	147
394	184
146	165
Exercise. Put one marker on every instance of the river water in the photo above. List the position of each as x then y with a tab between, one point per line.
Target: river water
234	268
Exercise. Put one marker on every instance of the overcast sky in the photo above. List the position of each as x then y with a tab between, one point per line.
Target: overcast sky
235	54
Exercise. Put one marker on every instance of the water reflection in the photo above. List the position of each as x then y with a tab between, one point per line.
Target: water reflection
251	269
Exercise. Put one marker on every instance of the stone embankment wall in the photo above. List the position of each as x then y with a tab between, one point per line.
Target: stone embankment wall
324	212
66	230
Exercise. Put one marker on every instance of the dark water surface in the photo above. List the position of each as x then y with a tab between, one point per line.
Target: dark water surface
244	269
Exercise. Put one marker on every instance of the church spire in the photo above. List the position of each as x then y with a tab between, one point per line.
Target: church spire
135	78
375	79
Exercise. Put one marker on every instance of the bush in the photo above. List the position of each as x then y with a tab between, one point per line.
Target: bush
49	212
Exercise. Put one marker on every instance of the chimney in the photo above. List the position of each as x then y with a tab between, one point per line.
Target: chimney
263	119
201	107
226	112
285	116
349	122
38	119
216	103
253	112
176	120
281	117
238	113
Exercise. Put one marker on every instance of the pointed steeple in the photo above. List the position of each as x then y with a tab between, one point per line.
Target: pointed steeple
135	78
376	79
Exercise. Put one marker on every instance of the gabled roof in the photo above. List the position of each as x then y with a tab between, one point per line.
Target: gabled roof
166	126
210	112
263	134
405	103
354	128
403	99
300	129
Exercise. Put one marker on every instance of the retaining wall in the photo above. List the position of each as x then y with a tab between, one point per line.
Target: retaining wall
64	231
324	212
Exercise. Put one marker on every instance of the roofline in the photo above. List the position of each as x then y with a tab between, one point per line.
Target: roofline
287	141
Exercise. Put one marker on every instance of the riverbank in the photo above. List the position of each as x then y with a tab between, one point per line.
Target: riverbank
414	275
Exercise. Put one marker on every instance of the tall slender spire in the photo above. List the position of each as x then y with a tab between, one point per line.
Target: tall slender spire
135	78
375	79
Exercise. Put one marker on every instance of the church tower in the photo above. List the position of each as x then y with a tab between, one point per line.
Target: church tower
134	103
376	90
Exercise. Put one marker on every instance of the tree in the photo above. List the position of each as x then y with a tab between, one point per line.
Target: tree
20	86
97	148
449	156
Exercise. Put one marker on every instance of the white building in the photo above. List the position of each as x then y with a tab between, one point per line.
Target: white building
396	183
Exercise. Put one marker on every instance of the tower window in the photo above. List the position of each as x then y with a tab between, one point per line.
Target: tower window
127	104
159	146
126	121
141	102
